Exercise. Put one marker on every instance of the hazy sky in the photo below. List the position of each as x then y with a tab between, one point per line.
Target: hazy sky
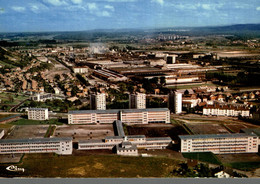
70	15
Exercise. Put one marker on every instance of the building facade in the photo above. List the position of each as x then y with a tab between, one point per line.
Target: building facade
226	110
129	116
41	97
140	141
38	113
175	102
220	143
2	133
61	146
80	70
137	101
98	101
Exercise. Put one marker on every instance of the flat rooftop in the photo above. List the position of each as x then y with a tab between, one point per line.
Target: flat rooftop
117	111
214	136
38	109
35	140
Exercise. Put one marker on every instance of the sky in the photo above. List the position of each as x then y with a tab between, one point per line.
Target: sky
77	15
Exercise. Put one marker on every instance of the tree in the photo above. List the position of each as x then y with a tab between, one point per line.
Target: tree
186	92
162	81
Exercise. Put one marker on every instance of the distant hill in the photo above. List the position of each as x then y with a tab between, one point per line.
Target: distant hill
240	30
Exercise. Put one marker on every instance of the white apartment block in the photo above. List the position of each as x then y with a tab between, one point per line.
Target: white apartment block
61	146
98	101
226	110
175	102
137	101
80	70
220	143
129	116
38	113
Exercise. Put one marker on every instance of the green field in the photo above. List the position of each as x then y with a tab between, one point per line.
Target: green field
51	165
203	156
12	98
35	122
245	166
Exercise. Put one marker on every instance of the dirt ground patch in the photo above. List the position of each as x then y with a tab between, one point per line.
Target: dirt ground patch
237	127
84	132
202	128
157	130
28	131
9	158
163	153
243	157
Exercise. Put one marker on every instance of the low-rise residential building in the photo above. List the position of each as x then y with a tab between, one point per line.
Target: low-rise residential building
220	143
226	110
129	116
41	97
62	146
38	113
222	174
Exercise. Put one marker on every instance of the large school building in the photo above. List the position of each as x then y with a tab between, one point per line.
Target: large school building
129	116
125	145
61	146
220	143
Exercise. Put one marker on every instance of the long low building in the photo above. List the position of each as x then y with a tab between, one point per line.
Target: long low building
129	116
220	143
226	110
61	146
140	141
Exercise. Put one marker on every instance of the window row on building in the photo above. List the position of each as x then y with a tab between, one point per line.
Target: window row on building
237	143
61	146
131	116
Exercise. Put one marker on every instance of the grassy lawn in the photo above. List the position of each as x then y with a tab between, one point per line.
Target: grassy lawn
51	165
16	99
245	166
36	122
203	156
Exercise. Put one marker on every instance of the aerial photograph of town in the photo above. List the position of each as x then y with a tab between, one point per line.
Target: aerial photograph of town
129	89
